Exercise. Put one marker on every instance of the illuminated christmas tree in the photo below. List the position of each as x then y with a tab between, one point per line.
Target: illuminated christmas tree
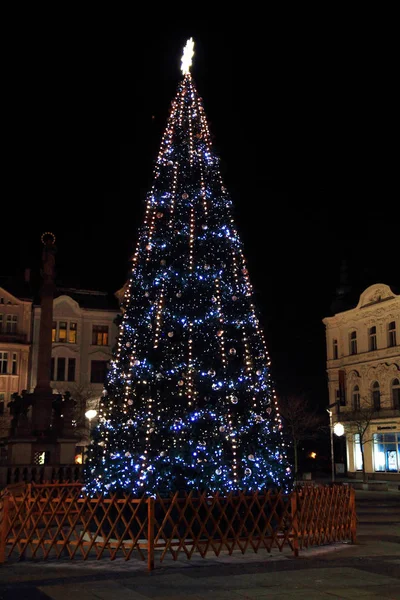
190	403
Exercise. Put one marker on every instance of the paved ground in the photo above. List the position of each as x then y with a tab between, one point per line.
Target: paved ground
368	570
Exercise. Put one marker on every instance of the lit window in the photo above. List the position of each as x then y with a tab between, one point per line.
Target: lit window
41	458
372	338
54	331
14	363
356	398
62	331
396	394
3	363
357	452
72	333
100	335
387	452
376	396
392	334
353	342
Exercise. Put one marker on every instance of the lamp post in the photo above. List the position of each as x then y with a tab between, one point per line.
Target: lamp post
90	414
336	429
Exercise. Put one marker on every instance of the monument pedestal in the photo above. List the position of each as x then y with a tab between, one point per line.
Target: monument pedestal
37	451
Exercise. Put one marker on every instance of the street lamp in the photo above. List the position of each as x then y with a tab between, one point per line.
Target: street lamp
90	414
336	429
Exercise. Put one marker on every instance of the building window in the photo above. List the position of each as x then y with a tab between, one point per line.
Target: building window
396	394
52	368
387	452
62	331
376	396
392	334
60	369
356	398
14	364
335	349
372	338
54	331
357	452
11	324
98	371
2	402
72	333
71	369
3	363
100	335
1	322
353	342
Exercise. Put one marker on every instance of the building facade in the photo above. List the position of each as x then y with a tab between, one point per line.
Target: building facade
15	346
363	368
83	336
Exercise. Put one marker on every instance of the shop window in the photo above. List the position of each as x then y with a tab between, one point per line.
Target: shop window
357	452
387	452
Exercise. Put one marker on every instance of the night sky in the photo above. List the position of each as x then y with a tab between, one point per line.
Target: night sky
303	123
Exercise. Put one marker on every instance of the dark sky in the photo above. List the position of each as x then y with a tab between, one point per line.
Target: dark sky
303	118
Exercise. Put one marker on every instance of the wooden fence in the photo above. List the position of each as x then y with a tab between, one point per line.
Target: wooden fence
58	521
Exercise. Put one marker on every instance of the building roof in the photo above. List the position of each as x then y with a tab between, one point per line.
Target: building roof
90	299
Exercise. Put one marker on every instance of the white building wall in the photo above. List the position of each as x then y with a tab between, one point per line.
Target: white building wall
378	307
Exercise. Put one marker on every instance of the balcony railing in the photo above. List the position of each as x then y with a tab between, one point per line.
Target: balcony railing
13	338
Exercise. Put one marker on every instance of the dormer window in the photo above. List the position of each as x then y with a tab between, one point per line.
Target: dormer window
392	334
372	338
335	349
353	342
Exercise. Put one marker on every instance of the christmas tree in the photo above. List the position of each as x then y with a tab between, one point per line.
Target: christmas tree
189	402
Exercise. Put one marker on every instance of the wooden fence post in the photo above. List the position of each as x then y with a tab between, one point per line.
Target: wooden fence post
295	522
3	528
353	516
150	534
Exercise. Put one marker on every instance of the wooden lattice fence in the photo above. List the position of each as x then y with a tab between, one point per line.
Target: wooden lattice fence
58	521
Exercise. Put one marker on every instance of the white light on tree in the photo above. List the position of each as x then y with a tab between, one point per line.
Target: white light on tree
187	56
338	429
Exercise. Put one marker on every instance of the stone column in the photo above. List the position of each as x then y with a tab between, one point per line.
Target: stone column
42	401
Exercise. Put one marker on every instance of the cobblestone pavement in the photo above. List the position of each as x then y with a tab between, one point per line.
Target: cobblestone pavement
368	570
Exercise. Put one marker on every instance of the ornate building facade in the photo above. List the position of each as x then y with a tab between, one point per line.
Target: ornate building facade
15	345
83	335
363	367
